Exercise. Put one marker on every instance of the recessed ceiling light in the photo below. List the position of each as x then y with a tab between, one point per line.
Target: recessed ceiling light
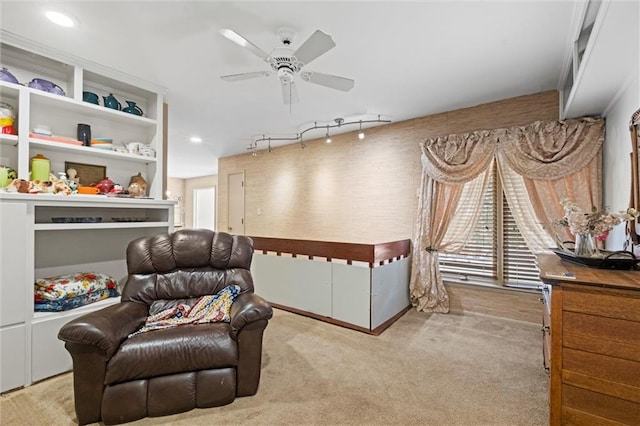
195	139
60	18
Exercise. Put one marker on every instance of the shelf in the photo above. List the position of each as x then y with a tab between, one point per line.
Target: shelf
99	225
10	90
49	100
8	139
94	152
87	200
44	316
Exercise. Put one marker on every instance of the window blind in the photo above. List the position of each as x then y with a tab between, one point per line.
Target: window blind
496	251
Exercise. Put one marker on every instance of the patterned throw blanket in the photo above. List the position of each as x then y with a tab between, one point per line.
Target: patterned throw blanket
209	308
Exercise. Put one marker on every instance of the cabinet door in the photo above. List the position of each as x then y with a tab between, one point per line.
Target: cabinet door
13	354
48	354
297	283
14	263
389	290
351	294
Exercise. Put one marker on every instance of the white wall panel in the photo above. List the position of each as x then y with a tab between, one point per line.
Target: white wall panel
390	290
300	283
352	294
13	354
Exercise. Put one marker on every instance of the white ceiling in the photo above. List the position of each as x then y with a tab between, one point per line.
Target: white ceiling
408	59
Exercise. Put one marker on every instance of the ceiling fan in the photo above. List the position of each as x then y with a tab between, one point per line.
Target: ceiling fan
286	63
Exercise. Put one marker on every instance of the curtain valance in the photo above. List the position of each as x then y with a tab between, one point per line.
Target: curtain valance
542	150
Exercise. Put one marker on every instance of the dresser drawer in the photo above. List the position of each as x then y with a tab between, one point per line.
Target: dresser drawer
600	373
610	303
585	407
607	336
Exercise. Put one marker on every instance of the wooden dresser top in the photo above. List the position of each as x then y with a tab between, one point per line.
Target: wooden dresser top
552	269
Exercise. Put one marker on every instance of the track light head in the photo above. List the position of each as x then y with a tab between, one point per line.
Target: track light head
360	133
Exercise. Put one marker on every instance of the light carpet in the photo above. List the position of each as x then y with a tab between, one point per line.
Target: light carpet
426	369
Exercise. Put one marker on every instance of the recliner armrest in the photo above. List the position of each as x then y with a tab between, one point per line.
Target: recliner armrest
248	308
107	327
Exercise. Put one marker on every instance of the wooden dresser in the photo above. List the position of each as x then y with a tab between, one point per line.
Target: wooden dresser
595	344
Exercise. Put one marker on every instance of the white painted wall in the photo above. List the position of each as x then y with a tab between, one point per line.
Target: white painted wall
617	165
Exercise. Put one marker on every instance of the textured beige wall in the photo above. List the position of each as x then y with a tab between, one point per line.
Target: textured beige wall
189	186
357	191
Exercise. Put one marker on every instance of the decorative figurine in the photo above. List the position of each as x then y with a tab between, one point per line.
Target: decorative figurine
137	186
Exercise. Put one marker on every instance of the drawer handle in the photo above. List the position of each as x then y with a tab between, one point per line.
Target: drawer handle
546	329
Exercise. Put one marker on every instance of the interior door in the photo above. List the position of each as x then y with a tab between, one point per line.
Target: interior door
235	201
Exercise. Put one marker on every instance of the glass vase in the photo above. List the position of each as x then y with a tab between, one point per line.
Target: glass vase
585	245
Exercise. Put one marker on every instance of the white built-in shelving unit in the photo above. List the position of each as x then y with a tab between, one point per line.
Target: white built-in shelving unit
34	246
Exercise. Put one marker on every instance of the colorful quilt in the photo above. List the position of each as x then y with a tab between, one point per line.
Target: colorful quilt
72	285
205	309
74	302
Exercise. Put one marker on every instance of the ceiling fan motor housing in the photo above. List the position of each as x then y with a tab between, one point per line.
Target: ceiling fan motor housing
284	64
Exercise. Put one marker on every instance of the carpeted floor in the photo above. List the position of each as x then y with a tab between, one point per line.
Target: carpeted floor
427	369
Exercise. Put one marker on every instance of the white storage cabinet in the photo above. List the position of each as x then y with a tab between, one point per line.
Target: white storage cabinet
31	245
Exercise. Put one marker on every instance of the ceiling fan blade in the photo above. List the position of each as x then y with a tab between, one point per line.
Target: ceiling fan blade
243	42
328	80
289	93
246	75
316	45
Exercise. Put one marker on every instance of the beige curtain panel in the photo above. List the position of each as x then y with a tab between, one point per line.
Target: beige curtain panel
555	160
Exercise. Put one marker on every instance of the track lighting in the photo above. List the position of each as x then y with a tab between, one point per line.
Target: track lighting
339	122
327	137
360	133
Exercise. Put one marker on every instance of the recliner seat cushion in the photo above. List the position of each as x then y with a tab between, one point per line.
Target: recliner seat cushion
173	350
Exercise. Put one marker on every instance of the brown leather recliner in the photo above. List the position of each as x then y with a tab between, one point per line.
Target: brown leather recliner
118	379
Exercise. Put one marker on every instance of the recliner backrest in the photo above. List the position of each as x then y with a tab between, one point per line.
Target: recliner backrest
186	264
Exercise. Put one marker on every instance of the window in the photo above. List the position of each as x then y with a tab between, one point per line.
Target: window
496	251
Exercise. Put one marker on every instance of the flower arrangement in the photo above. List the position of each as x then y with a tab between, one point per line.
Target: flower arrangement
596	222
